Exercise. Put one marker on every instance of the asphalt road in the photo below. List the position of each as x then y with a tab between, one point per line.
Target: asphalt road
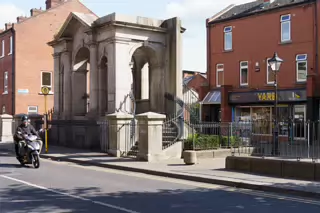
65	187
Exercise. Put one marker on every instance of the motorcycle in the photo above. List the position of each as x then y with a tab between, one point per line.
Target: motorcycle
30	151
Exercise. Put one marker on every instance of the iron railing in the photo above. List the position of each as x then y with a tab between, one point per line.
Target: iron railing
297	139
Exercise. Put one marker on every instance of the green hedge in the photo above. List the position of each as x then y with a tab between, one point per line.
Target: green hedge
206	142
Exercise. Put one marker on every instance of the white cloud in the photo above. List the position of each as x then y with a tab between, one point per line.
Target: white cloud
194	14
9	13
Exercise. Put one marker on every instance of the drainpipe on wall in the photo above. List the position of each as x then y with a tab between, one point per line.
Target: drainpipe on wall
208	53
13	71
316	35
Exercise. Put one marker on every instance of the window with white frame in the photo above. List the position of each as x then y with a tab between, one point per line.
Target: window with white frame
244	73
228	38
46	80
285	21
5	82
219	75
11	45
270	73
2	49
32	110
302	67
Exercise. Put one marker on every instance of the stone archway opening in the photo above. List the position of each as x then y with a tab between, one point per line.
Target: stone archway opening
103	81
143	61
81	82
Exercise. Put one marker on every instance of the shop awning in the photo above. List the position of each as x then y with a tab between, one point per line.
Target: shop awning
213	97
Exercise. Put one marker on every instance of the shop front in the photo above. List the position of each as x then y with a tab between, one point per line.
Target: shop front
257	107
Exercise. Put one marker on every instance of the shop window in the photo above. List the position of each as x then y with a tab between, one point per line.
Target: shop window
270	74
219	75
301	66
261	120
228	38
299	125
244	73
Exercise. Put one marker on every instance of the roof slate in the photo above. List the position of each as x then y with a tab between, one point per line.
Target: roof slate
256	6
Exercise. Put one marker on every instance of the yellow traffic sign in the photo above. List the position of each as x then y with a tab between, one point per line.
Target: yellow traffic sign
45	90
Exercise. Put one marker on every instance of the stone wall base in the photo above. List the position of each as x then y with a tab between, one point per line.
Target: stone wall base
275	167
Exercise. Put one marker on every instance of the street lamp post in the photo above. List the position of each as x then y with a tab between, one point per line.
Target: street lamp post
275	63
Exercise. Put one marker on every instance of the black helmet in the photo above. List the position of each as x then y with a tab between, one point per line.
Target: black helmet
24	118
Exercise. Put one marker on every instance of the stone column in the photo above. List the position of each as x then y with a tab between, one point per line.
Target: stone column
157	89
103	84
94	85
111	79
119	133
56	81
67	84
123	74
150	136
6	128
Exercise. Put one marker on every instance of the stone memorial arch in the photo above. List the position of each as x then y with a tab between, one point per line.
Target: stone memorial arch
99	61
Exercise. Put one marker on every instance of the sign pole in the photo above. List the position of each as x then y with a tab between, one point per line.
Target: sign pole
45	91
46	117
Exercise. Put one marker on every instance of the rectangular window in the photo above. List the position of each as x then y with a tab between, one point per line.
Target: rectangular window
5	83
301	66
244	73
32	110
3	109
270	74
228	38
219	75
11	45
285	21
2	49
46	79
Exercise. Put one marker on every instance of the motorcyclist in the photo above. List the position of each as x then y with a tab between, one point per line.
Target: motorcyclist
25	128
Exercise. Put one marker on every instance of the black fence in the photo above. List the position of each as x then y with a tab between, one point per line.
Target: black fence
295	139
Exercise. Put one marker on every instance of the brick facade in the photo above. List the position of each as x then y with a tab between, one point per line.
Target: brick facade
6	64
255	37
32	54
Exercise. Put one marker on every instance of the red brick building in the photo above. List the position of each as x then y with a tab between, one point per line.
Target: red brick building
242	38
26	61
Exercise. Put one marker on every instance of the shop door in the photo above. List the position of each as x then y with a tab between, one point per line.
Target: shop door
299	125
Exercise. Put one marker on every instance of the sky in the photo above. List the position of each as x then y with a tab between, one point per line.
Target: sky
193	14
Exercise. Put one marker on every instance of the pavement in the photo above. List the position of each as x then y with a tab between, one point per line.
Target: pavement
68	187
210	171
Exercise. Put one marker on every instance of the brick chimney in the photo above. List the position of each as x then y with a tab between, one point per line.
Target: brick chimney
53	3
8	26
21	18
35	11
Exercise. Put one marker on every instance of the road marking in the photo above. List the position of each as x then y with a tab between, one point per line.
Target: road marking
70	195
196	184
189	183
